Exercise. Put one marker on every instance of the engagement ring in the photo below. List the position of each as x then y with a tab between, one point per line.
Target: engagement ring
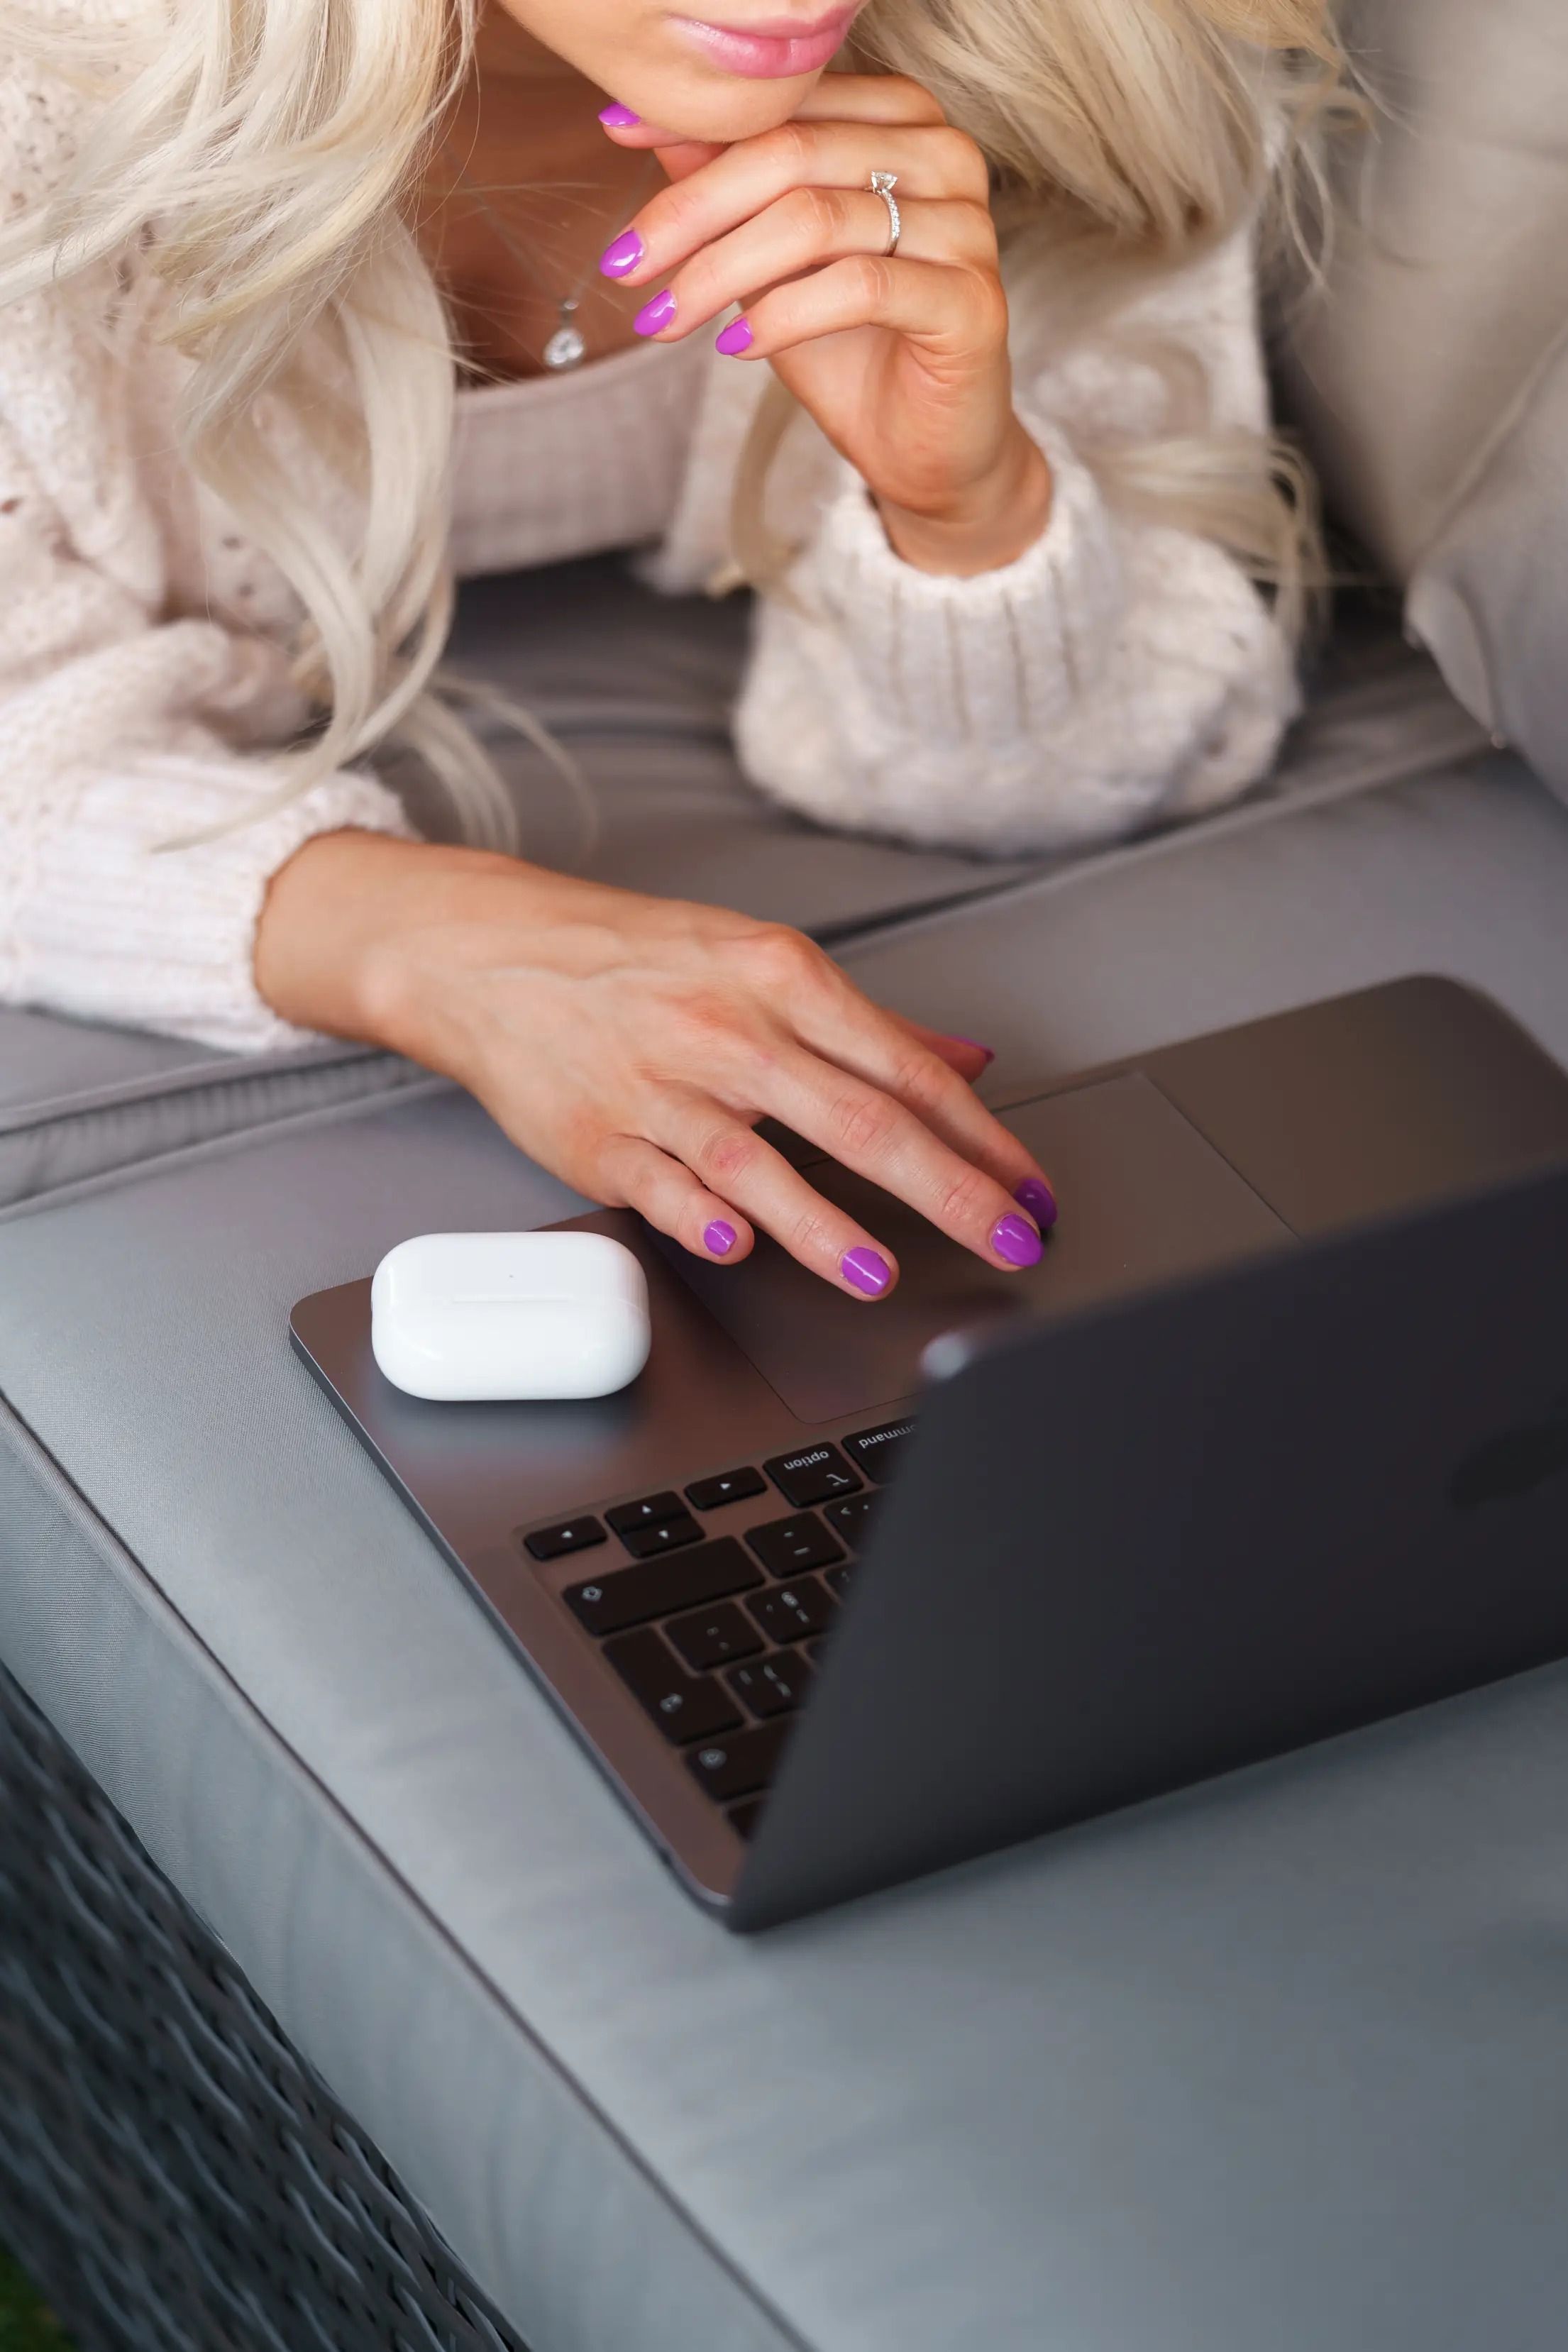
882	184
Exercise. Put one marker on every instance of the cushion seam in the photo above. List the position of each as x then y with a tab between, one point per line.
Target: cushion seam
237	1138
1250	816
128	1093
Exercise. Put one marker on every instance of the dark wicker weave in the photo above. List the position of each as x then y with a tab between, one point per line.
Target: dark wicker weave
171	2172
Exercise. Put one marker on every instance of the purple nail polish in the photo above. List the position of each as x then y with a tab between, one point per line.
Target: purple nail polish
655	314
1015	1243
616	117
624	254
719	1238
735	339
975	1044
1038	1197
867	1270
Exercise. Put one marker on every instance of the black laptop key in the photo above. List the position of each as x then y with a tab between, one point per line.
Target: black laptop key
791	1610
685	1706
740	1764
852	1518
814	1474
647	1543
714	1636
743	1819
571	1535
630	1596
773	1685
734	1486
790	1546
838	1579
877	1451
646	1513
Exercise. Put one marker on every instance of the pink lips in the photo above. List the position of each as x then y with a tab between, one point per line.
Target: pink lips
773	50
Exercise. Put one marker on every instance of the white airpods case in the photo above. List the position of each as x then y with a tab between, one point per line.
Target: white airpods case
485	1318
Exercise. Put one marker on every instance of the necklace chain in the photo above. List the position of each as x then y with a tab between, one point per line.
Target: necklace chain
567	347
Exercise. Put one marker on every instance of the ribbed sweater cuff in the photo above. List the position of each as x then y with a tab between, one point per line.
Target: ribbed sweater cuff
986	659
117	928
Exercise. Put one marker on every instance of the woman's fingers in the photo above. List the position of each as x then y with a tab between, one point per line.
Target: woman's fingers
838	98
680	157
711	1178
934	163
847	1033
869	97
843	1041
734	1163
673	1200
714	1178
880	1137
940	1094
805	231
964	1054
956	317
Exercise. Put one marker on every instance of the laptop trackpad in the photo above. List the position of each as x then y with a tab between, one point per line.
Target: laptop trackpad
1143	1200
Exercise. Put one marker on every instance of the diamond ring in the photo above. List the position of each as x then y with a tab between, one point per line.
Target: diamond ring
882	184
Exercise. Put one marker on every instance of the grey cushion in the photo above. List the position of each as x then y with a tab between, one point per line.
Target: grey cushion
1424	381
121	1097
1465	872
1283	2061
639	688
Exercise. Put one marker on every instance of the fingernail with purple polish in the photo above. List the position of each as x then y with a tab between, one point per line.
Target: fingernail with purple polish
975	1047
623	254
736	338
1015	1243
655	315
719	1238
867	1270
1035	1195
616	117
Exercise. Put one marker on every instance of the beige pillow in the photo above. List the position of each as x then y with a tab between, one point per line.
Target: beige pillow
1430	382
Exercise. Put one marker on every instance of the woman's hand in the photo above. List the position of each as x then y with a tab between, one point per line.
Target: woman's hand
902	361
632	1045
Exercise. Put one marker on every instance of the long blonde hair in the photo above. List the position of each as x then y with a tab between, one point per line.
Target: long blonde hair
257	156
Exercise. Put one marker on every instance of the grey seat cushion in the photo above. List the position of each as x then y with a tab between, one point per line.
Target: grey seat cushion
76	1101
638	687
1282	2061
1462	872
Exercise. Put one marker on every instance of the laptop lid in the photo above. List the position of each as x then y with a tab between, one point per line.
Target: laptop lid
1184	1533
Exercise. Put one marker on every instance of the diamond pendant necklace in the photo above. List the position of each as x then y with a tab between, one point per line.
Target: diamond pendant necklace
566	348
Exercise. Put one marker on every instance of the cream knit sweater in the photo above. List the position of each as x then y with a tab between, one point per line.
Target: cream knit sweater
1114	670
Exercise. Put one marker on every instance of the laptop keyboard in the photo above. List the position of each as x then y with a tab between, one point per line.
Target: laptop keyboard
716	1635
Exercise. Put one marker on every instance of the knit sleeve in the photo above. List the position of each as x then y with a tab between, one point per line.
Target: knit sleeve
108	759
118	733
1116	671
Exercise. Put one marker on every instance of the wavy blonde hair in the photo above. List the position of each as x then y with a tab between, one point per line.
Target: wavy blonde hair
258	157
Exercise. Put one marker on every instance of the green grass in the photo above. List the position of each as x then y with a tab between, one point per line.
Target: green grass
27	2324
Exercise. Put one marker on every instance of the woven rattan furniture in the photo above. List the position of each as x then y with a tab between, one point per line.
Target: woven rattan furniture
180	2179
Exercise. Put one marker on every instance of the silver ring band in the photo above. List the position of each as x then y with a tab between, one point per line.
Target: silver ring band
882	184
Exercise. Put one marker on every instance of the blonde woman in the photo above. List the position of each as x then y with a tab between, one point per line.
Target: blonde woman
1007	515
